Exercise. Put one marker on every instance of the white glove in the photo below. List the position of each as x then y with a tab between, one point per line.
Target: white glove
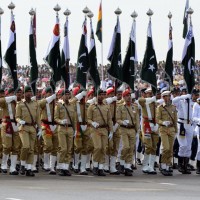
22	122
10	99
64	122
81	95
166	123
39	134
33	98
110	136
51	98
150	100
125	122
114	98
83	127
95	124
115	127
187	96
92	101
133	96
109	100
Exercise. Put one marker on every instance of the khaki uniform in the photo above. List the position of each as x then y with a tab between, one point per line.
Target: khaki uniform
128	133
10	137
49	135
167	134
1	146
100	134
28	131
150	137
65	132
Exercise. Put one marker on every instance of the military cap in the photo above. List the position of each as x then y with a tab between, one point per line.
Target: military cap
2	90
126	92
165	93
195	91
10	90
48	89
27	89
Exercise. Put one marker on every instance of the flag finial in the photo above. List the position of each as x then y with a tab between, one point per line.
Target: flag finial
169	15
134	15
67	12
1	11
90	15
118	11
86	10
11	6
149	13
190	12
57	8
32	12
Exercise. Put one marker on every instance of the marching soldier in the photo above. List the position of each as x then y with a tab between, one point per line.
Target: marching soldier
9	132
166	116
65	117
184	105
149	130
27	115
196	120
129	126
100	120
49	132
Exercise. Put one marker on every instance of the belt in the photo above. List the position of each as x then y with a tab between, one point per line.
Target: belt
129	126
67	125
30	124
167	126
83	123
103	126
47	122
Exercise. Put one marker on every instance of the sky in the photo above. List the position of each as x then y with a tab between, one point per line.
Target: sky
46	17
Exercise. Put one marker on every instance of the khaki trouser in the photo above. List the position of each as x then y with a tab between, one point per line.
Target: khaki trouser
113	145
50	142
167	139
128	144
100	141
1	146
65	140
11	142
83	143
28	136
150	142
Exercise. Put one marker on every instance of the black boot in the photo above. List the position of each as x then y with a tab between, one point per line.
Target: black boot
122	169
128	172
101	172
62	173
198	167
22	170
29	173
186	170
180	164
95	171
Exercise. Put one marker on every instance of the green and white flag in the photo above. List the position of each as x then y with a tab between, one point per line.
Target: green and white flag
65	57
10	56
53	58
149	65
188	60
32	54
93	60
169	66
130	59
114	55
83	58
185	19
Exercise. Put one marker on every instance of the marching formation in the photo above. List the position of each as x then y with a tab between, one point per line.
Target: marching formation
105	131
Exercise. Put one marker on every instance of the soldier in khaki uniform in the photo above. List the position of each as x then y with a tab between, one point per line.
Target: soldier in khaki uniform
9	132
129	126
65	117
149	131
100	120
49	131
166	116
27	115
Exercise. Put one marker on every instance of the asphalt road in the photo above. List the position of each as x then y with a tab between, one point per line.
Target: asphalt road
140	186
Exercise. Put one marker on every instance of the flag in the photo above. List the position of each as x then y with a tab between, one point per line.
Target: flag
169	60
32	54
65	57
99	24
93	60
1	65
11	53
53	58
83	58
188	59
185	19
130	59
149	65
114	55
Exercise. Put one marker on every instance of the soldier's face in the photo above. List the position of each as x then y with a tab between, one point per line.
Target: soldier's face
195	97
167	99
19	95
67	97
101	97
149	94
48	94
28	95
127	98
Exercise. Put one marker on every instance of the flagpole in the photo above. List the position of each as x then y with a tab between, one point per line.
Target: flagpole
102	67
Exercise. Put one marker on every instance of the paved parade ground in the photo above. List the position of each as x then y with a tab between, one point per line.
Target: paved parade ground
76	187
